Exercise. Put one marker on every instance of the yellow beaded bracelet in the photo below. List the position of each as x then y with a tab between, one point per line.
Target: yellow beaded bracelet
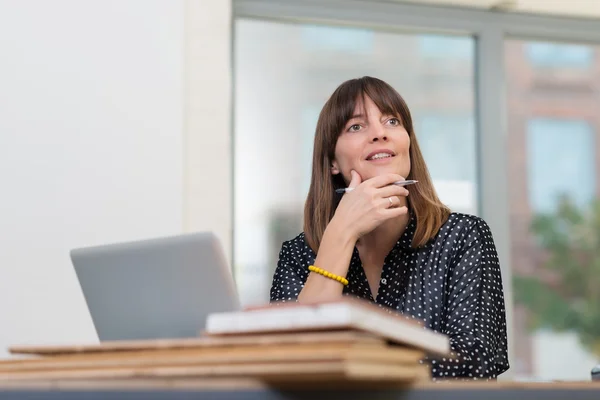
329	275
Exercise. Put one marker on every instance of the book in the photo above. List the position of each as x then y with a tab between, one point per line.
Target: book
304	372
348	313
259	341
292	353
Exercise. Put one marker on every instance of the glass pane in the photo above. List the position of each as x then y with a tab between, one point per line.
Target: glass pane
284	73
553	103
554	55
557	166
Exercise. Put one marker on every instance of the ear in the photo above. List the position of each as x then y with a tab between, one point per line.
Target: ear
335	169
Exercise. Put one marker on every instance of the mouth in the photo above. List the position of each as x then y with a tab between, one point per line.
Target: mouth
380	155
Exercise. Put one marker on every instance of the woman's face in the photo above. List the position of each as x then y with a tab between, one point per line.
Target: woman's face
372	144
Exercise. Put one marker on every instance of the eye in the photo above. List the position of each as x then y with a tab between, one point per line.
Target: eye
354	128
394	122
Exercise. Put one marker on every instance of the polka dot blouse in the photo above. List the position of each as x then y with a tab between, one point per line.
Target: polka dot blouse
453	284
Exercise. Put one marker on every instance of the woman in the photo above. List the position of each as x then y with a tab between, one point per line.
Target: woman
377	242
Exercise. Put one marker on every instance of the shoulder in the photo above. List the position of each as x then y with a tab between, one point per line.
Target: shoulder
298	242
469	239
460	224
296	249
461	232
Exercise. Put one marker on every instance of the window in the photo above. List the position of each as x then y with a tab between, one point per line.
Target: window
447	142
445	47
560	155
552	138
448	145
351	40
554	55
310	116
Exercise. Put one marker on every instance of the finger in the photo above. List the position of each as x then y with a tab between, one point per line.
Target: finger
393	201
393	212
392	190
355	179
388	202
385	180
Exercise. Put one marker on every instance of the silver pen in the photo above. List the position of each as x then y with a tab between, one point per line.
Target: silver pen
399	183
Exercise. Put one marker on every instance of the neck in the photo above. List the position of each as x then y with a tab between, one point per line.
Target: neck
378	243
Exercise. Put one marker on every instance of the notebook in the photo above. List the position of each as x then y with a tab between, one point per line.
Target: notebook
349	313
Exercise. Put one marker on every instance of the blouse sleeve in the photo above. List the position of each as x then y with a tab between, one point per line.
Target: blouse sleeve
286	284
475	319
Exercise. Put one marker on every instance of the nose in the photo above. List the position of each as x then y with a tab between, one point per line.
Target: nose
378	133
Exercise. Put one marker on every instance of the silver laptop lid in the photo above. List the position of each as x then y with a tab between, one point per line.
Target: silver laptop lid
156	288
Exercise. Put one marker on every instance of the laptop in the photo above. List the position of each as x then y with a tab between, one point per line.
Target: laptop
156	288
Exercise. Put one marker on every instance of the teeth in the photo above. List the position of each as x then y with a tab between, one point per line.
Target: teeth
380	155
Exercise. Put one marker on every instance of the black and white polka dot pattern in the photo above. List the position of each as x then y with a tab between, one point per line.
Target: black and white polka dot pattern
453	284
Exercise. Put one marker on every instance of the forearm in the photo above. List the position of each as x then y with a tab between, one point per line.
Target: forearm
334	255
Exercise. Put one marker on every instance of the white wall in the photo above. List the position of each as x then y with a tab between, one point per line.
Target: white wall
208	150
91	147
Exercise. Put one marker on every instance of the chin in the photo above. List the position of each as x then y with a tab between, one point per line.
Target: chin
383	171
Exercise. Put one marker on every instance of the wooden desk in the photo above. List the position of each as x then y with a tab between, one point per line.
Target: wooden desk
252	390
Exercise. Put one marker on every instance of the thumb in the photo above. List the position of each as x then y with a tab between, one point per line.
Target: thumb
355	180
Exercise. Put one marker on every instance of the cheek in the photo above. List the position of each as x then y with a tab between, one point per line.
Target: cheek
404	149
405	142
347	151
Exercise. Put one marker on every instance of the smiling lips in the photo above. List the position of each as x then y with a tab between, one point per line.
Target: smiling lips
380	154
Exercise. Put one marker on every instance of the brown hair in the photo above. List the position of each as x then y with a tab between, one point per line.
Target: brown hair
322	200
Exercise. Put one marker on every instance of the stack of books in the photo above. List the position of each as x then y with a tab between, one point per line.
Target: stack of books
343	341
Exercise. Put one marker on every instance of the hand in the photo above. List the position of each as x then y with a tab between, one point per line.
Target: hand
371	203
